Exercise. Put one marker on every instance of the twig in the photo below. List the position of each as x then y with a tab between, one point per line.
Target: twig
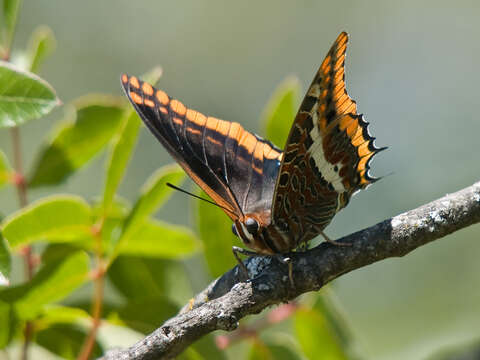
21	186
89	343
98	295
18	165
228	299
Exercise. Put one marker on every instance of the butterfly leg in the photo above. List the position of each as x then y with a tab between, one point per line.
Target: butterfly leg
327	239
287	261
238	250
303	246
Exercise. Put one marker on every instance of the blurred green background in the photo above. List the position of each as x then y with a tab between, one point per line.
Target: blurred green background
412	66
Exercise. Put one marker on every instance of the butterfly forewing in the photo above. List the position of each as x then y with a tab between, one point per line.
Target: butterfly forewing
326	156
235	168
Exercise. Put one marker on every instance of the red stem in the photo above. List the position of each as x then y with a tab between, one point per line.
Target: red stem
27	251
23	201
99	282
89	342
18	164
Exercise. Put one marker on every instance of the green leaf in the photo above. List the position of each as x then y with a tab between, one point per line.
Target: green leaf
160	240
328	304
52	283
10	15
5	169
147	314
120	156
8	323
215	230
23	96
190	354
65	340
280	111
56	218
112	224
5	262
153	195
42	43
259	351
282	352
315	336
57	314
204	348
119	209
111	232
75	143
57	251
150	278
85	306
267	350
123	147
147	280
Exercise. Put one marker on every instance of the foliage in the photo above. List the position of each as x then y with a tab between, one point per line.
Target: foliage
68	241
23	96
280	111
5	262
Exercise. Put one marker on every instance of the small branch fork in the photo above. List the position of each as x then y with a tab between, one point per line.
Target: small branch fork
228	299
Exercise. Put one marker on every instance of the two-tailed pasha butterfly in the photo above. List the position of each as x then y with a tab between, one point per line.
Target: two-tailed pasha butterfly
276	199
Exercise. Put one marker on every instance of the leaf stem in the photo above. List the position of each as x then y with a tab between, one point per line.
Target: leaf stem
21	190
27	251
22	194
27	333
89	342
98	295
10	33
18	164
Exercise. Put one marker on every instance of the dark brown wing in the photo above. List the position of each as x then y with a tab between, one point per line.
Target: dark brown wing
235	168
326	158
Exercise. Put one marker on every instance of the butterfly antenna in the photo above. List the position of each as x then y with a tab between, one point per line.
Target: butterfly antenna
198	197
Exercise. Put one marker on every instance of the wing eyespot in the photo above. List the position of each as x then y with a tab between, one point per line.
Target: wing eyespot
252	225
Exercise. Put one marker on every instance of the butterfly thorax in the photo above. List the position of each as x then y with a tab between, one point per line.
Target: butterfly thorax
261	237
264	236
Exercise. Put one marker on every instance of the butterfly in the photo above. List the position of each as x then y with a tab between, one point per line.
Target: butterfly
278	200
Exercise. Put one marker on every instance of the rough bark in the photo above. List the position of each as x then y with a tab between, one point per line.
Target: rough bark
230	298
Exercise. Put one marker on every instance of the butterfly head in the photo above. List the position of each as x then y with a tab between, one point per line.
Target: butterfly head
251	231
247	229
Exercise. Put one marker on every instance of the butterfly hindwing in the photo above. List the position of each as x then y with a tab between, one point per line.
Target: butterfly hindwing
327	152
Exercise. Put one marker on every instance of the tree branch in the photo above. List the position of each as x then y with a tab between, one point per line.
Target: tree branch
228	299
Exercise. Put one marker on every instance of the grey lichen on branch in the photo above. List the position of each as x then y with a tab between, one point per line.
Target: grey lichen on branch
229	298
